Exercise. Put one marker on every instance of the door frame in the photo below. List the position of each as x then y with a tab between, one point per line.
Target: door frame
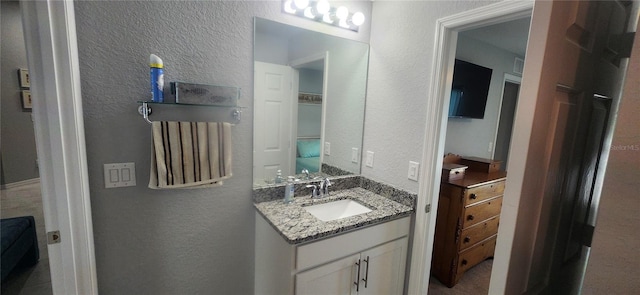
508	78
294	64
446	34
52	54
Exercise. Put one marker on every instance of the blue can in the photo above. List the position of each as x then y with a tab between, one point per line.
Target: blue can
157	78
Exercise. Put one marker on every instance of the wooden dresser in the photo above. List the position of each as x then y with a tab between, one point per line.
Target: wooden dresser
467	223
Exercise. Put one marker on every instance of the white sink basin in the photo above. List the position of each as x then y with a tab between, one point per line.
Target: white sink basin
337	210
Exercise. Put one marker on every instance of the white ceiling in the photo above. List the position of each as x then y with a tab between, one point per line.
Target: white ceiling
511	36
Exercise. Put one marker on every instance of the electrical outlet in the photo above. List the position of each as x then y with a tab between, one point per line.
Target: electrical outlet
369	160
414	169
327	148
119	175
490	146
354	155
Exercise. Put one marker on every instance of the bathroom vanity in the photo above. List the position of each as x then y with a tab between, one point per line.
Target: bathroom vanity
297	253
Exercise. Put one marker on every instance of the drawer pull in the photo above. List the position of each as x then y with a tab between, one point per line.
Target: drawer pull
357	282
470	217
466	239
473	196
464	262
366	274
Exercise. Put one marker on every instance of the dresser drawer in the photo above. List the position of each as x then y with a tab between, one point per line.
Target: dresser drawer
476	254
470	236
480	212
481	193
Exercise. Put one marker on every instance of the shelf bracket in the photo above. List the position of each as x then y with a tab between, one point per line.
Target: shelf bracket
236	114
145	111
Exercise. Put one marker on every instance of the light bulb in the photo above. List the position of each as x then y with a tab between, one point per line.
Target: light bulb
357	18
327	18
342	12
343	23
322	6
309	13
288	7
301	4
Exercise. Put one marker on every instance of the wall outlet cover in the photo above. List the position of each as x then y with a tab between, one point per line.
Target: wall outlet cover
369	160
119	175
414	170
327	148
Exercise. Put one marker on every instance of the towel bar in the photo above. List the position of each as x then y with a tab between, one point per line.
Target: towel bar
235	116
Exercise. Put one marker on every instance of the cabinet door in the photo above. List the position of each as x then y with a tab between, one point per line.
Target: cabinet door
383	267
337	277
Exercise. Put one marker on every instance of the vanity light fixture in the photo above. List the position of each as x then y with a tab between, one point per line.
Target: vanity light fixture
321	11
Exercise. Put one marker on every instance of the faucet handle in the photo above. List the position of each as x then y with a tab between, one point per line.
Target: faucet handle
314	191
324	187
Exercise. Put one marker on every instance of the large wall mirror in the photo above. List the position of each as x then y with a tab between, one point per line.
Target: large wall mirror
309	98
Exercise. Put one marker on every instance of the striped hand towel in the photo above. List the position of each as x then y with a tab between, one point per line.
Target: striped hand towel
190	154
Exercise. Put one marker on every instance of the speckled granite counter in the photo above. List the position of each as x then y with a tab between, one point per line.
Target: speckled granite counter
296	225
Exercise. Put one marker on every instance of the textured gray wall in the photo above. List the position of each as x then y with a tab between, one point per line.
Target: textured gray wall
18	139
402	37
174	241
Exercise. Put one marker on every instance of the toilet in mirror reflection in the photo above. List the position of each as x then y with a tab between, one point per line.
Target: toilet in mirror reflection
309	96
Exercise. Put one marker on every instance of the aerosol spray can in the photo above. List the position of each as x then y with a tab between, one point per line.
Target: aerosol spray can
157	78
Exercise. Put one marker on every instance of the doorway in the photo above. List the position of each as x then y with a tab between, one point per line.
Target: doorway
511	89
309	106
21	195
476	136
289	117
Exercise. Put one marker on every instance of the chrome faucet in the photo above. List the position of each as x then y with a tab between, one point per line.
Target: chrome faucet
314	191
324	187
306	173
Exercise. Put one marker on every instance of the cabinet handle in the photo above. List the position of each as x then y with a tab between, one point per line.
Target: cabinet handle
470	217
472	196
357	282
464	262
366	273
467	239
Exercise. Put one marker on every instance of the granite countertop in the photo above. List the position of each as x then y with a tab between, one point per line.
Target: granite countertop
296	225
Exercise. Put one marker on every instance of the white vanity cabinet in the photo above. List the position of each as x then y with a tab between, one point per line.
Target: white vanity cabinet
370	260
379	270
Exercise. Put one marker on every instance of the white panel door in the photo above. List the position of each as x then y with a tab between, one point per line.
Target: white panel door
272	121
336	278
382	270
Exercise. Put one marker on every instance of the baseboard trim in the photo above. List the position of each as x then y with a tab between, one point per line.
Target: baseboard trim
20	183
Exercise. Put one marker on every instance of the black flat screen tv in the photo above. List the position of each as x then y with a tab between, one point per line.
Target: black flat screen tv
469	90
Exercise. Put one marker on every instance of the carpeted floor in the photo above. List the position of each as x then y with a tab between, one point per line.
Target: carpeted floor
36	280
474	281
613	264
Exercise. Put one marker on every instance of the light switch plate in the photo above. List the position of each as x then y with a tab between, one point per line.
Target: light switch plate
327	148
414	168
354	155
369	160
119	175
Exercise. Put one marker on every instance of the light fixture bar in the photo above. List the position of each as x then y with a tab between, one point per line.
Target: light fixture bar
321	11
